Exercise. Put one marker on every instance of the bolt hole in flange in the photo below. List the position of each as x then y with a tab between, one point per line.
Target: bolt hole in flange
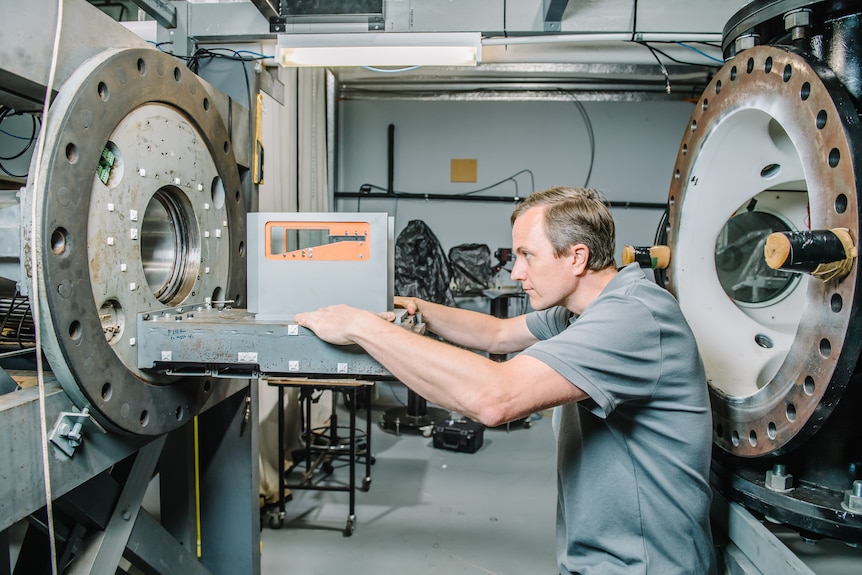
58	241
113	320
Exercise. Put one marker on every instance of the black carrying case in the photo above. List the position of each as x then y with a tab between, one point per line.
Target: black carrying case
463	435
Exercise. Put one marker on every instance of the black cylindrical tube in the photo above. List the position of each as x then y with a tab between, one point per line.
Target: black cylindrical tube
804	251
643	256
417	406
391	159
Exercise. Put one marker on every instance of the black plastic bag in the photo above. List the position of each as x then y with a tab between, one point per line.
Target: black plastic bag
471	268
421	265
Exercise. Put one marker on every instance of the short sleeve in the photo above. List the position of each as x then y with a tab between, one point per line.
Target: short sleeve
547	323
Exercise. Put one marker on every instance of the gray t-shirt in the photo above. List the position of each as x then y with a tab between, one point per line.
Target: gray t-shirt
633	459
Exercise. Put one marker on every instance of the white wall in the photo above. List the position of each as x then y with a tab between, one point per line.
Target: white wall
636	146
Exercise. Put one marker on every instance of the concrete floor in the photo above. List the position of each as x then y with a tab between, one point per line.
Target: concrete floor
428	511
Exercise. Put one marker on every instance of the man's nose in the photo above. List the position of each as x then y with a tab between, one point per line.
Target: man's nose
517	270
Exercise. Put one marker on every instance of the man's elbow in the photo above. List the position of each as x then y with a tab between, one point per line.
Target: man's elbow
493	415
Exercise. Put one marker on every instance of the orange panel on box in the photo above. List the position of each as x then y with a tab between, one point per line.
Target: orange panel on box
321	241
464	170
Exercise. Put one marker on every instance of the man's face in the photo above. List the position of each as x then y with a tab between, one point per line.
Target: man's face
547	279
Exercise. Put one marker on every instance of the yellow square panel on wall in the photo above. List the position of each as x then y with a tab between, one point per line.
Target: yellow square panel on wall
464	170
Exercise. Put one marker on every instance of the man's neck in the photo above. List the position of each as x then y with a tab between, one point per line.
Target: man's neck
590	287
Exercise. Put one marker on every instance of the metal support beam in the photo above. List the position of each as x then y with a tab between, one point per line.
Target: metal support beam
231	22
269	8
751	544
178	513
152	550
19	414
554	10
230	501
5	565
27	45
103	552
163	13
10	235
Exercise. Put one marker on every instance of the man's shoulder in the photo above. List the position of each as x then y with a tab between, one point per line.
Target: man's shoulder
547	323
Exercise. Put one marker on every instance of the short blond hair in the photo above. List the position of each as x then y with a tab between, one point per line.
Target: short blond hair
575	216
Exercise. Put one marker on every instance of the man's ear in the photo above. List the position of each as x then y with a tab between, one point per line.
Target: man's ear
580	256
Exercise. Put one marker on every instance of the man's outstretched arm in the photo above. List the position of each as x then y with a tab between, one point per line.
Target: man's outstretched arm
471	329
468	383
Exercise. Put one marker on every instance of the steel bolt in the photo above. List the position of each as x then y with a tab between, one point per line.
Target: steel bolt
746	41
74	436
777	478
797	19
853	498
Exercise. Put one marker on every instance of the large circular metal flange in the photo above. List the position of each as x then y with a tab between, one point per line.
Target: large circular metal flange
773	143
138	208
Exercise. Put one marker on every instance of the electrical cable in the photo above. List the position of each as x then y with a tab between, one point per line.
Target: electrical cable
392	71
470	193
34	305
11	135
193	63
704	43
10	174
590	134
701	52
395	395
660	63
6	113
504	180
678	61
505	27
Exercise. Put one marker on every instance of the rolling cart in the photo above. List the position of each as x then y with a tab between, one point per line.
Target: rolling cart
324	445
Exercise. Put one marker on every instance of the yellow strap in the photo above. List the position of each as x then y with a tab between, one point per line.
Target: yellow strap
197	491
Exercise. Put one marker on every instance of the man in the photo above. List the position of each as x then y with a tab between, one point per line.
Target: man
612	351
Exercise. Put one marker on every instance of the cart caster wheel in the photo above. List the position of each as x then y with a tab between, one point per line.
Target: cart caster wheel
366	484
527	425
276	521
350	527
328	468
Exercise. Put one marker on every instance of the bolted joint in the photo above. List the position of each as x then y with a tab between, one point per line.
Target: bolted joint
778	480
797	19
745	42
853	498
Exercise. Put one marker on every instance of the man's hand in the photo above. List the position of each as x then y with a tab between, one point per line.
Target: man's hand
334	324
411	304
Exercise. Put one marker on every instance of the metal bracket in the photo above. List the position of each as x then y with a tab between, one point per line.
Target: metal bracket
412	322
66	434
554	10
162	12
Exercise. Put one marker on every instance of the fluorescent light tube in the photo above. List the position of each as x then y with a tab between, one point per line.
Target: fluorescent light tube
380	49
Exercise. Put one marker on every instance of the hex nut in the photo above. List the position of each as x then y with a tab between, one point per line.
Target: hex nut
746	42
797	18
852	502
779	482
